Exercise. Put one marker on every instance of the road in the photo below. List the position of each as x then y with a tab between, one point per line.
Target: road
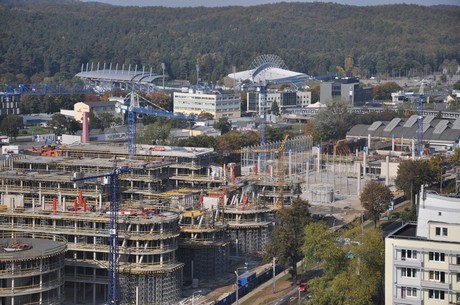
292	298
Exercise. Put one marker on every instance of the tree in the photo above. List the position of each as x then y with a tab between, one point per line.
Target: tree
288	234
333	122
11	126
353	273
155	133
107	119
205	116
319	247
375	198
412	174
275	109
224	125
61	124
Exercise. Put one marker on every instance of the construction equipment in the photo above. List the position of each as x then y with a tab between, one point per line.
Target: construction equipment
420	119
113	282
281	173
134	109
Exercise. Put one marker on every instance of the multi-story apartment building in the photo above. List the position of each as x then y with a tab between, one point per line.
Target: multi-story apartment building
9	104
218	104
284	99
422	261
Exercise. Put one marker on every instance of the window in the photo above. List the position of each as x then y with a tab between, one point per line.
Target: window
408	254
437	256
458	278
436	294
438	231
444	231
437	276
408	272
408	292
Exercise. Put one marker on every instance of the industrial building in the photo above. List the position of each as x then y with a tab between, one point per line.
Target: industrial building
422	261
439	133
9	103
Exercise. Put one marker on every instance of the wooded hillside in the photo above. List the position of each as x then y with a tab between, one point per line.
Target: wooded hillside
40	38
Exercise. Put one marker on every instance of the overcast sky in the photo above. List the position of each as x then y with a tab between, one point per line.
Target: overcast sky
210	3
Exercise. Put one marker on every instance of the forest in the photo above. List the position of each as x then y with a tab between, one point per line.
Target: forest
52	38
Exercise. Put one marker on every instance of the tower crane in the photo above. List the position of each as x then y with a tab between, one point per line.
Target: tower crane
281	172
420	119
135	109
113	281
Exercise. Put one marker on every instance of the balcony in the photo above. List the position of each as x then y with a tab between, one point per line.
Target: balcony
454	268
409	263
406	301
434	285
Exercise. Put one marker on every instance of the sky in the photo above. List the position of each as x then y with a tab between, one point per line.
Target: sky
215	3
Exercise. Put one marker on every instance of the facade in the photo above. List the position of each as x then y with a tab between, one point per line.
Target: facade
31	269
422	261
347	90
217	104
96	107
285	99
9	104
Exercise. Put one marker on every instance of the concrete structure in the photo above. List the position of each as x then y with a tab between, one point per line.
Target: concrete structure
347	90
196	101
422	261
31	269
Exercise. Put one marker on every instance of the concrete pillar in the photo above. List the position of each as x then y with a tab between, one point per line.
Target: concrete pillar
413	148
392	144
368	142
387	171
359	178
318	161
364	164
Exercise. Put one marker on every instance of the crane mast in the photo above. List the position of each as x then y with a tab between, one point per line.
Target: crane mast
420	120
113	281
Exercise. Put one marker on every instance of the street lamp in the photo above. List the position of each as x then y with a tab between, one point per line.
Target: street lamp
193	296
237	287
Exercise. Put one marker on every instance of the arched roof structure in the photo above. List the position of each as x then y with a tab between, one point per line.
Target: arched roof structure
269	68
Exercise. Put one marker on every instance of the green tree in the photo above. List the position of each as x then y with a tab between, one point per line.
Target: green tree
319	247
412	174
205	116
353	273
275	109
224	125
61	124
107	119
288	234
11	125
155	133
333	122
375	198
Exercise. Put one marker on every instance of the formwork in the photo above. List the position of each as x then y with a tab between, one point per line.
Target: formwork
203	245
31	269
249	229
148	242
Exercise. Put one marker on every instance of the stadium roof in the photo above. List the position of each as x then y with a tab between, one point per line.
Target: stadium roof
269	68
109	75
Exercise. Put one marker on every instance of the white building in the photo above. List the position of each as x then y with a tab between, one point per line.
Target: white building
218	104
285	100
422	261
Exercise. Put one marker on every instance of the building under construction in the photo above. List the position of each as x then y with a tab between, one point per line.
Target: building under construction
169	229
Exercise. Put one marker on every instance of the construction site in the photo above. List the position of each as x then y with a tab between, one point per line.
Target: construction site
181	217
